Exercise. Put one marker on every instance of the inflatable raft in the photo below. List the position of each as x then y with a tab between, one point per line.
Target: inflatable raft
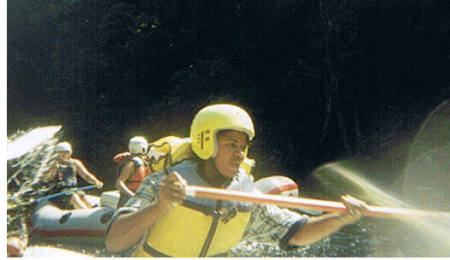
89	225
51	223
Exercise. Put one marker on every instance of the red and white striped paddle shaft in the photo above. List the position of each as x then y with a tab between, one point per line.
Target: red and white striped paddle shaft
304	203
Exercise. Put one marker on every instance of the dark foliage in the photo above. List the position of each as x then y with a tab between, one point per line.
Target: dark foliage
323	79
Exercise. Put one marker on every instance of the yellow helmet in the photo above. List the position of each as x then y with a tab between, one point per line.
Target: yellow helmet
210	120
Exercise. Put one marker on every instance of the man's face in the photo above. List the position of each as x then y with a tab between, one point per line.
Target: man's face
232	146
64	156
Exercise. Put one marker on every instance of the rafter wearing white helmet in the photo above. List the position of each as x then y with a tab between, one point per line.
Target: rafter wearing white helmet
138	145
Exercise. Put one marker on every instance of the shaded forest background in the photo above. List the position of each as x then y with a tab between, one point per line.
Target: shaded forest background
323	80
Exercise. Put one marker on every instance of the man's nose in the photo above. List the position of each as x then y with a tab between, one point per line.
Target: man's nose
240	153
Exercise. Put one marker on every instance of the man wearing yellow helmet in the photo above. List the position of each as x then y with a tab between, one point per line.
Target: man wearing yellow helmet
161	221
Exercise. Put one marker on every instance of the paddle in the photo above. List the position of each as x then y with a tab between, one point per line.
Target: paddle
51	196
304	203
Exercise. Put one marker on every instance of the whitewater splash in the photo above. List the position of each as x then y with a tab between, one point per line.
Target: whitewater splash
45	251
23	142
28	154
423	184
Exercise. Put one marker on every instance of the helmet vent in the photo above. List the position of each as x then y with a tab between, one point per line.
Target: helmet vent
202	138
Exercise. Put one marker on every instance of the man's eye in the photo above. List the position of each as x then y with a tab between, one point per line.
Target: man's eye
232	145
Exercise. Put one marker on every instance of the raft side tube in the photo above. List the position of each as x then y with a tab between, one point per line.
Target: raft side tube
79	225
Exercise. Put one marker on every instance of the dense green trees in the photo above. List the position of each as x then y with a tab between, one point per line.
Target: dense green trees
323	79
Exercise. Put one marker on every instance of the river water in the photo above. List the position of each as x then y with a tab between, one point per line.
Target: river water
367	238
425	183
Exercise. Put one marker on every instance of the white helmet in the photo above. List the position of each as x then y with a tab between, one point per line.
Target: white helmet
138	145
63	147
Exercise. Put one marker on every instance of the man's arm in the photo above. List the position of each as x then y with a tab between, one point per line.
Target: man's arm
319	227
125	174
128	229
85	174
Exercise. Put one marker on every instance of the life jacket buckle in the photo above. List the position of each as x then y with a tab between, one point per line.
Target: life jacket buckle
217	213
232	212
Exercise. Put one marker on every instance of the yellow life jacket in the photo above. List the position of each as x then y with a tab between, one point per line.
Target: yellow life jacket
187	232
199	227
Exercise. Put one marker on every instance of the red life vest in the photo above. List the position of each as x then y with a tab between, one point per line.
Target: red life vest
142	169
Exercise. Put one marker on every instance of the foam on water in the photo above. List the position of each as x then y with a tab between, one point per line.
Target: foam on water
41	251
